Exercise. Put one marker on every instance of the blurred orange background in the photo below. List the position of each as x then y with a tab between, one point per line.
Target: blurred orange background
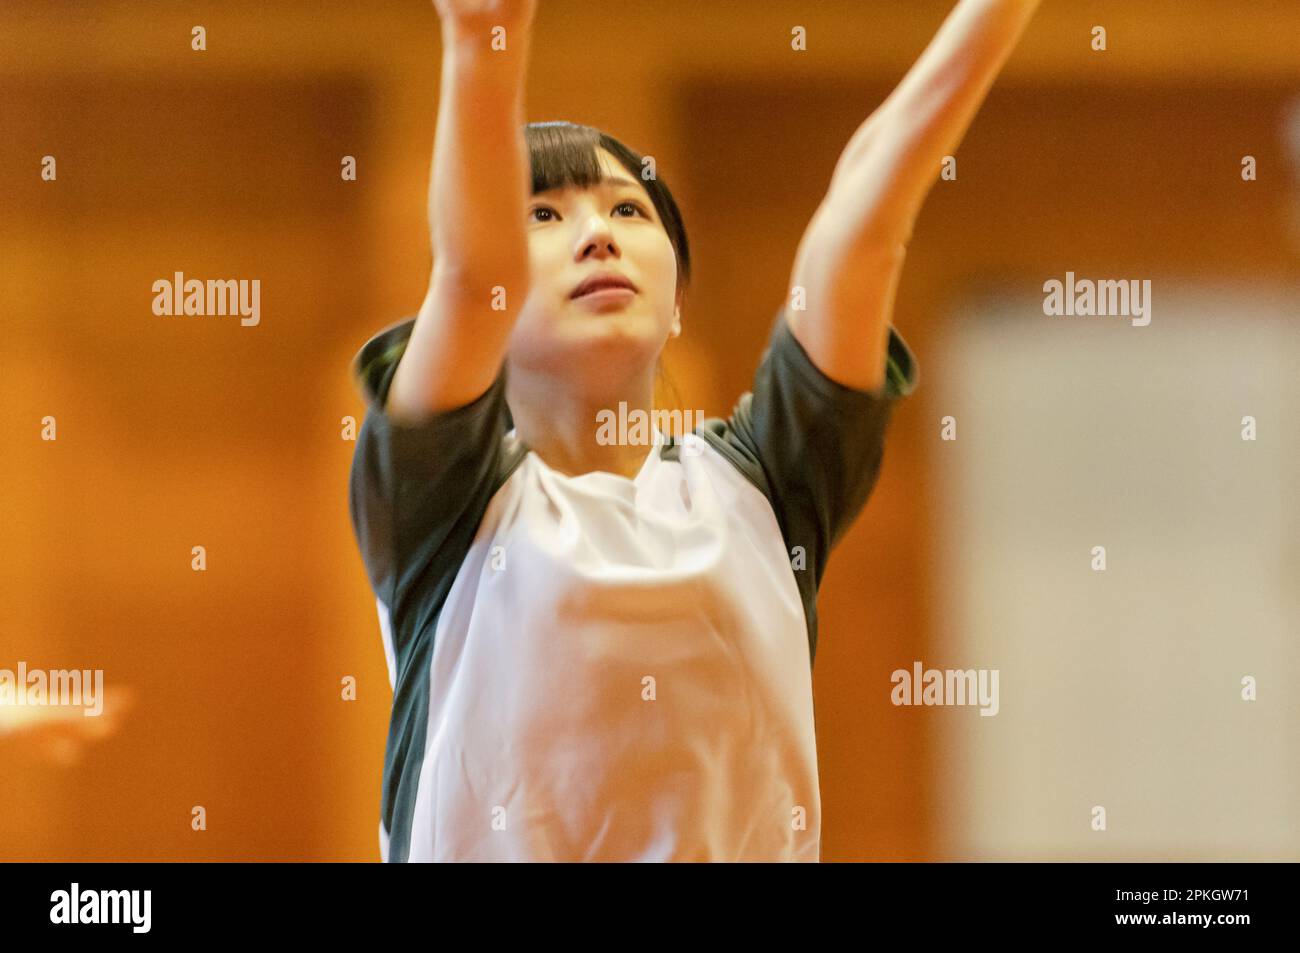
175	432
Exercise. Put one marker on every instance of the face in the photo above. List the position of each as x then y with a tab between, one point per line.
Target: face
574	234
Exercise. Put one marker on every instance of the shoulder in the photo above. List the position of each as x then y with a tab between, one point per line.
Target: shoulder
375	362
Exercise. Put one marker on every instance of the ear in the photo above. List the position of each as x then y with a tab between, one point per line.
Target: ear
677	322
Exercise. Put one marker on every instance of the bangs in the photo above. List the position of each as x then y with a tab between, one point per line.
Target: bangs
563	154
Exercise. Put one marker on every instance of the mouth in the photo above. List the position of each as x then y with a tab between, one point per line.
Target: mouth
607	285
606	297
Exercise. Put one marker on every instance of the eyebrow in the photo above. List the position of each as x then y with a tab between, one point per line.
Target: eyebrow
603	180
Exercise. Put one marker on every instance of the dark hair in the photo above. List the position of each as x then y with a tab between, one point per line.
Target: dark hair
564	153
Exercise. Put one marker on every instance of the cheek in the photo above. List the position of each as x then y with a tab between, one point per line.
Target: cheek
539	330
658	263
533	322
549	262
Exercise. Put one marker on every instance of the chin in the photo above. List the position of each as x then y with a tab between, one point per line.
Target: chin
586	340
603	345
612	327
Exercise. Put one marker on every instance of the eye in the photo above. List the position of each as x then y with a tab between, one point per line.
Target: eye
539	210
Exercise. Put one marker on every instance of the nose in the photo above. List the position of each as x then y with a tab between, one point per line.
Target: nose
596	239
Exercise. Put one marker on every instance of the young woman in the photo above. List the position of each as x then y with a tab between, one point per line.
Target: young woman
603	650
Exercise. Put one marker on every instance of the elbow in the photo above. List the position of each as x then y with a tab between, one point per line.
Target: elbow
478	281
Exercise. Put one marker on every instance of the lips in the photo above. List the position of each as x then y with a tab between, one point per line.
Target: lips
601	282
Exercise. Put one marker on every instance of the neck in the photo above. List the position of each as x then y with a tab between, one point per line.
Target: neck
560	422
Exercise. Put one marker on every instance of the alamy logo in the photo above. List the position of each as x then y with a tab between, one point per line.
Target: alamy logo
214	296
638	427
79	687
946	687
102	906
1085	297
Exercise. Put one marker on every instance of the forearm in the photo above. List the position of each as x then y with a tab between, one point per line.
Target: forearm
480	179
479	188
850	259
893	160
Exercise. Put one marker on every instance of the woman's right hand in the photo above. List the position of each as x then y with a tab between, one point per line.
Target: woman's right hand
486	14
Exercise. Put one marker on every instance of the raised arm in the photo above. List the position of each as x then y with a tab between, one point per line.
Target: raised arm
850	258
478	196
